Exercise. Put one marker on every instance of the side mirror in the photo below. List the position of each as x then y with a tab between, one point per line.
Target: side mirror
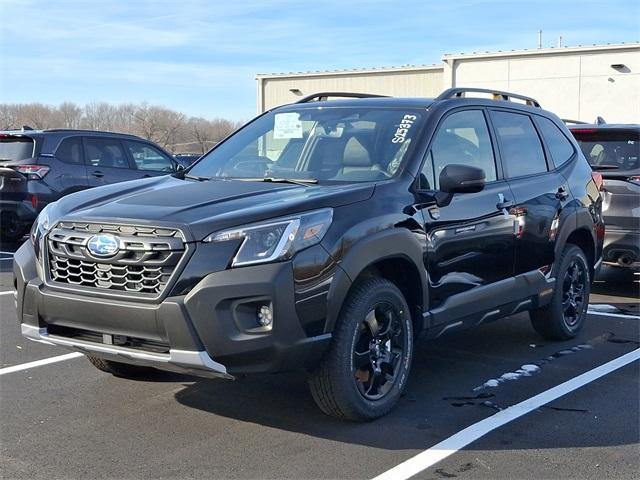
457	178
179	167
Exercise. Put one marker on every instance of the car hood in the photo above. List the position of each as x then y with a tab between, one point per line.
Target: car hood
202	206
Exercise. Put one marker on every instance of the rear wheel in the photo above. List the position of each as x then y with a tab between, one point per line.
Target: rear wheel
367	365
12	228
565	315
118	369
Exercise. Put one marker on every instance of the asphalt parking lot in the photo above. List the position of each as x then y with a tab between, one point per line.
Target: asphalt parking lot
68	420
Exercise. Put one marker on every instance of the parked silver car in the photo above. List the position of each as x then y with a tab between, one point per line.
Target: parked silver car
613	150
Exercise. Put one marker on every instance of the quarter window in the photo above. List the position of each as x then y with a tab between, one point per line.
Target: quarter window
70	150
148	158
560	147
520	146
463	138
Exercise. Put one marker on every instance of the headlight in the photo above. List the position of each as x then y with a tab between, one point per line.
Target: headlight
277	239
42	224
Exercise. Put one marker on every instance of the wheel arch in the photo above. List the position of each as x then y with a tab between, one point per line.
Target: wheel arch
395	255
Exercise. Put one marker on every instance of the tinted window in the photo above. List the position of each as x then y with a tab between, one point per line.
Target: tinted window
147	157
520	145
70	150
619	149
101	152
15	148
463	138
560	147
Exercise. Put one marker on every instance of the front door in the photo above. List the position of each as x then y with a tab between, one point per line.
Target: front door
470	241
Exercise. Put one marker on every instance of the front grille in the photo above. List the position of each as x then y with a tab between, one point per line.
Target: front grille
146	259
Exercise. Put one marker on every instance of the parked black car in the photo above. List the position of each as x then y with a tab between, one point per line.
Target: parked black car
327	236
613	150
38	167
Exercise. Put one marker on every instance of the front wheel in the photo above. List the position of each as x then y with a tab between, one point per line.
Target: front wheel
365	370
565	315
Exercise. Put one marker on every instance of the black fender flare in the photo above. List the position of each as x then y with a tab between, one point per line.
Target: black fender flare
576	219
383	245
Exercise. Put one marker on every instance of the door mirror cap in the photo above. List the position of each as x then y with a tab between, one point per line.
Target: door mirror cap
455	178
179	167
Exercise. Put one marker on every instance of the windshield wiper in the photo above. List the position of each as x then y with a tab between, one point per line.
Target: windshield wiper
296	181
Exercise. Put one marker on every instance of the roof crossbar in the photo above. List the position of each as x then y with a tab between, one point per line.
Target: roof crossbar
325	95
460	92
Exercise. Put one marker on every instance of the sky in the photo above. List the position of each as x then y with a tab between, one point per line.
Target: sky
201	57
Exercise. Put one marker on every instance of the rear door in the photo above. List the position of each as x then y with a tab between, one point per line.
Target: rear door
470	241
107	161
539	192
71	171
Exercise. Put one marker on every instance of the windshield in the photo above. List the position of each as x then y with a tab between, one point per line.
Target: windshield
15	148
616	149
324	144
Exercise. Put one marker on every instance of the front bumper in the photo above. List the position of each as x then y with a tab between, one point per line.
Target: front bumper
212	331
182	361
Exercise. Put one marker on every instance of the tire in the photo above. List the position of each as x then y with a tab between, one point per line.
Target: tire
564	316
12	229
375	333
118	369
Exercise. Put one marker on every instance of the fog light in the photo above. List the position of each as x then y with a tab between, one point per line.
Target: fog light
265	316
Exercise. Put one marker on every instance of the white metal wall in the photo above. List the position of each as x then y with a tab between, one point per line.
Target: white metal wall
577	83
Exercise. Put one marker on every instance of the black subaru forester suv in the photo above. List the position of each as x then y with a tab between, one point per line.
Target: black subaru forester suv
325	235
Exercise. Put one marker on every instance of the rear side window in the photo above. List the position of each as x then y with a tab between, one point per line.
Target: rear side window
520	146
463	138
106	153
147	157
560	147
15	148
70	151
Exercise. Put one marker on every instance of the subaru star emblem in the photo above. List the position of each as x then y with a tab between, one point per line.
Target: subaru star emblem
103	245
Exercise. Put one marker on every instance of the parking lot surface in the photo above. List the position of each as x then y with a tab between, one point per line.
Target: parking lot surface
68	420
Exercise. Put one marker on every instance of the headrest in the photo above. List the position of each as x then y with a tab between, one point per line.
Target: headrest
355	154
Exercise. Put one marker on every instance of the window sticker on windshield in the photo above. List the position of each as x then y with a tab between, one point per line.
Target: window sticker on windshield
403	128
287	125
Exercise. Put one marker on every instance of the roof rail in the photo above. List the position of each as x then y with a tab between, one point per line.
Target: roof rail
575	122
458	92
325	95
85	130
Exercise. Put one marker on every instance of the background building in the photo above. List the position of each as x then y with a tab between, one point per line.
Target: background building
578	83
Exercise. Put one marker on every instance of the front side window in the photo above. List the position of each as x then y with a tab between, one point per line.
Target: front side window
146	157
105	153
559	146
463	139
520	146
328	144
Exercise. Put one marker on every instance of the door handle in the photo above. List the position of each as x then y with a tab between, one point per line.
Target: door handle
98	173
562	193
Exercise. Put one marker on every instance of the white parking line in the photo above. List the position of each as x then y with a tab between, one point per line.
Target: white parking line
617	315
39	363
6	253
6	293
451	445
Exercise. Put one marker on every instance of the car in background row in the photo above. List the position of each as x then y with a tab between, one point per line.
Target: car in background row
38	167
186	159
613	150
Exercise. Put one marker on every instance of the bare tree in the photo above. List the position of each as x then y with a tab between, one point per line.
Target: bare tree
70	115
169	128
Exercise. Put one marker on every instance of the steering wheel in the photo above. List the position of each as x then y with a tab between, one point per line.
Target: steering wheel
250	165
